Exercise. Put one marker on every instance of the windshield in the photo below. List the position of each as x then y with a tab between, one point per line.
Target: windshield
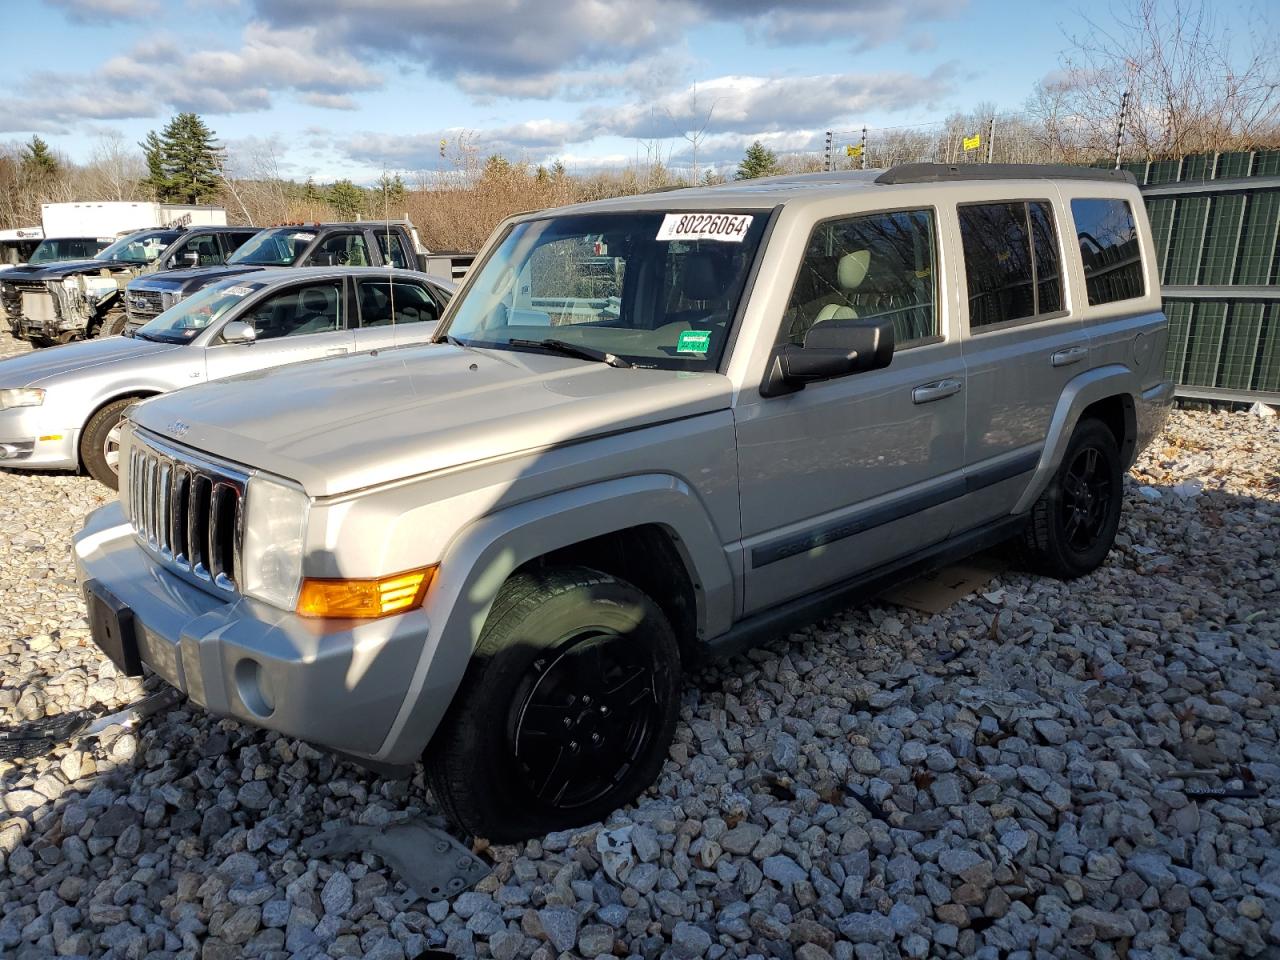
273	248
67	248
138	247
657	289
184	321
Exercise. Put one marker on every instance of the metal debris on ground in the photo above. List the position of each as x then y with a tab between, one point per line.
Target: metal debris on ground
433	865
37	737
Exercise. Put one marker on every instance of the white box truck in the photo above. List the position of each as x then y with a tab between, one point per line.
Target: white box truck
102	218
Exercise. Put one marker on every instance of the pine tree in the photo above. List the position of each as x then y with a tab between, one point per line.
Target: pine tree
759	161
38	161
390	192
153	152
346	199
184	161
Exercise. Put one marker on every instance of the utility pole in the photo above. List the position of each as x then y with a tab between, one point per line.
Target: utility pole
826	157
1124	105
864	148
991	137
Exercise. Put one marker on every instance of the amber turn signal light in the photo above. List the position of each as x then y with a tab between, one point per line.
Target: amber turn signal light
364	599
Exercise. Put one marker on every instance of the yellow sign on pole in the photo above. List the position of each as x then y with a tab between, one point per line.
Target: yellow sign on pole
974	142
853	151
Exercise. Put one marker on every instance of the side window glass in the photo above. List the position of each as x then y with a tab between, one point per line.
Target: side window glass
1048	261
997	262
877	266
342	249
234	241
314	308
384	302
1108	240
205	247
392	251
1012	262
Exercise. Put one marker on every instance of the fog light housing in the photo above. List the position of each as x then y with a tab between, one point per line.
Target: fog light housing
254	687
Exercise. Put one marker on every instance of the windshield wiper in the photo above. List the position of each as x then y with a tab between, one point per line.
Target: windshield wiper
449	338
574	350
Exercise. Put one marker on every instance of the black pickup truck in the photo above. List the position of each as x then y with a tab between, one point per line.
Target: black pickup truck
363	244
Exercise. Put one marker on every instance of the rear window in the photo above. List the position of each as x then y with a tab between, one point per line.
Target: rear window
1012	264
1108	240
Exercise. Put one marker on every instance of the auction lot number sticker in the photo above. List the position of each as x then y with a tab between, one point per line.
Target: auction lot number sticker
704	226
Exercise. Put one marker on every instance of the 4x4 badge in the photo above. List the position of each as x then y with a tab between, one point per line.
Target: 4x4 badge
178	428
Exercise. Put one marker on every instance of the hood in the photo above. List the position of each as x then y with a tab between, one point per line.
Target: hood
188	277
51	271
37	368
341	424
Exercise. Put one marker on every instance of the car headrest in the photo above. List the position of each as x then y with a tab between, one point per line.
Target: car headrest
314	300
852	269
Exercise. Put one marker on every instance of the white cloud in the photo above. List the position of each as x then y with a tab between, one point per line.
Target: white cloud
107	11
194	78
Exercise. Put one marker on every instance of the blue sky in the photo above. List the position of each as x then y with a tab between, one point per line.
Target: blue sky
348	89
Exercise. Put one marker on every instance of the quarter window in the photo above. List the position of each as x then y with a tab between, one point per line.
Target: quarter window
392	251
877	266
314	308
1108	240
1012	264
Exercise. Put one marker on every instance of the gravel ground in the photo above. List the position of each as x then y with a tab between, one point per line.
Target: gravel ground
1005	779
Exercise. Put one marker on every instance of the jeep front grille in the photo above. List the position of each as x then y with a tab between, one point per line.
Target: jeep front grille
187	512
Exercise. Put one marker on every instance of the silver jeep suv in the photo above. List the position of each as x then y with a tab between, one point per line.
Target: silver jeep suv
650	429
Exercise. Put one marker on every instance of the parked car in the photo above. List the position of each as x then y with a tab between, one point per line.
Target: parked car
500	550
294	245
81	299
60	249
61	408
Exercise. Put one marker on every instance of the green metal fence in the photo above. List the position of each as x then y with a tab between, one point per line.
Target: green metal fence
1216	221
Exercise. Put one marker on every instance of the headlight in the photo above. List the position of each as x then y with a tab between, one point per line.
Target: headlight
98	287
21	397
8	289
167	299
273	532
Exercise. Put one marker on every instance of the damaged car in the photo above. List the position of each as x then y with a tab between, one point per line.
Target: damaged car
81	299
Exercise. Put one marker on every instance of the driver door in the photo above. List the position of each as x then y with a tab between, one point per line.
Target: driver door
304	321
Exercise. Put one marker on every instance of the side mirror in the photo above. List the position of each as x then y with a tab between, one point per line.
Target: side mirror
237	331
832	348
189	258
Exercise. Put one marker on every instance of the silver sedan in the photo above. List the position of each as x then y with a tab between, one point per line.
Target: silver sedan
60	408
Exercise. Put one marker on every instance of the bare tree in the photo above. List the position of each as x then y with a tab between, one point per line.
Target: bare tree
1191	87
114	171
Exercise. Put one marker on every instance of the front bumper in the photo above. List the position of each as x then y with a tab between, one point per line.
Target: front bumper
22	446
338	684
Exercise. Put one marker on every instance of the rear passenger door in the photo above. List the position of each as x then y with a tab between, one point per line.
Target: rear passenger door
1023	343
304	321
851	473
394	310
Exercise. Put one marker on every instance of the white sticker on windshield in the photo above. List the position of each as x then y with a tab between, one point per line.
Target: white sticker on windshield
302	236
238	291
704	226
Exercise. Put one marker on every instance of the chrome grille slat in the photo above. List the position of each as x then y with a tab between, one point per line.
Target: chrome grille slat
187	512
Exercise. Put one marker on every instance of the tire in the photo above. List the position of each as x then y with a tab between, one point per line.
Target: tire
114	321
95	439
1073	524
566	710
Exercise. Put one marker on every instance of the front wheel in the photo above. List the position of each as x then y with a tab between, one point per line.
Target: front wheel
566	710
113	323
1074	523
100	443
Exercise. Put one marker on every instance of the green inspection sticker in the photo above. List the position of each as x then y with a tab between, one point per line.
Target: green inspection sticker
694	341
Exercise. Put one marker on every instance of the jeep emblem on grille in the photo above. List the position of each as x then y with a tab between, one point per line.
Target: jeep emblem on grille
178	428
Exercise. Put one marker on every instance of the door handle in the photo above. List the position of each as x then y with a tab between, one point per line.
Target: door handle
938	390
1064	358
335	352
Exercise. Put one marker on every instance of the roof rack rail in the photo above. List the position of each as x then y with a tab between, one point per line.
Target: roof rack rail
943	172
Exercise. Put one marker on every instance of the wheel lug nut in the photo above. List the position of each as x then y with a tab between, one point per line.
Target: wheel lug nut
586	700
568	721
573	745
595	738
